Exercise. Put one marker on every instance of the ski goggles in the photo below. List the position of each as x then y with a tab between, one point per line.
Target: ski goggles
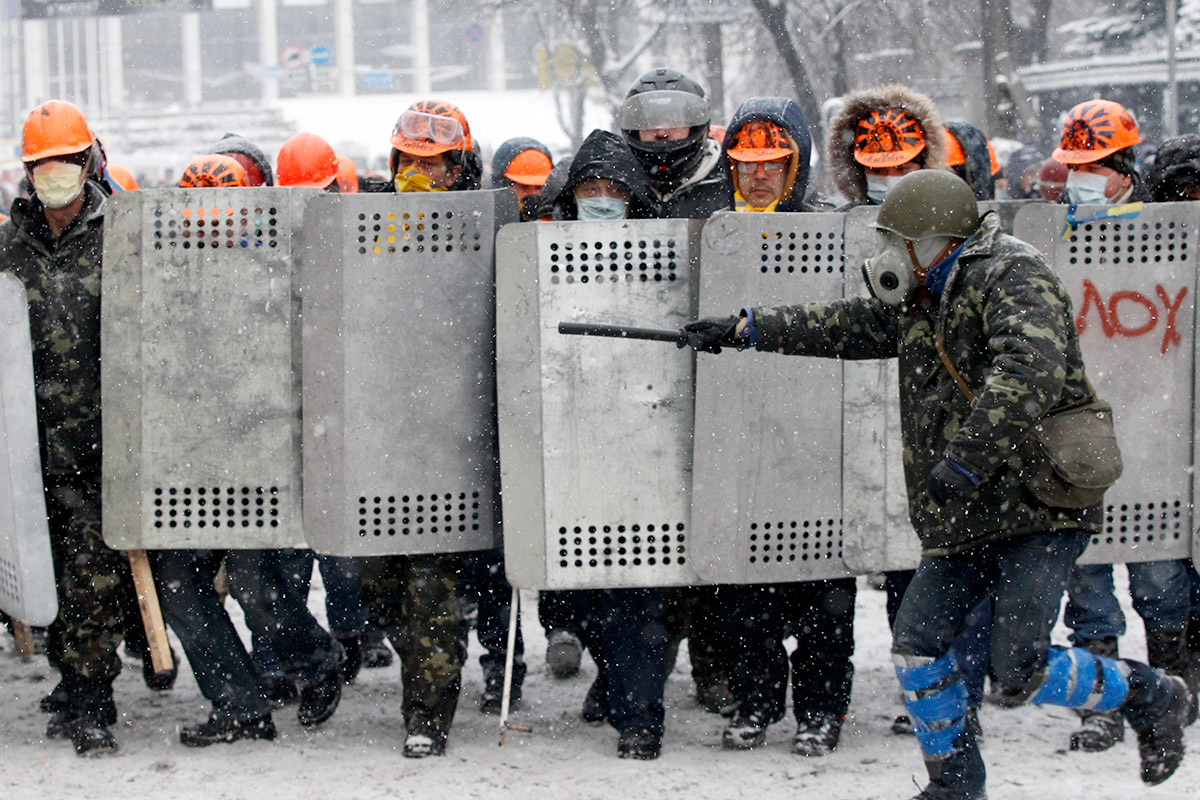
444	131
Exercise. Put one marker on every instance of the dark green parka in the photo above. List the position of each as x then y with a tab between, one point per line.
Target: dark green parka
1008	328
62	282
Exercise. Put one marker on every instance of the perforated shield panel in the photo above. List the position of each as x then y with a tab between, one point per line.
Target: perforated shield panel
27	591
200	372
766	503
399	372
595	433
1133	284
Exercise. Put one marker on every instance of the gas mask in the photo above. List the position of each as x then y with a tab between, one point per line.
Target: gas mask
900	266
878	186
1086	187
594	208
57	183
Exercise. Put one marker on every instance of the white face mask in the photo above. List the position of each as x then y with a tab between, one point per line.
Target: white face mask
57	183
1086	187
593	208
879	185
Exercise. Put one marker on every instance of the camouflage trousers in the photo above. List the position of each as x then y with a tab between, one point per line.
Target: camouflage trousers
416	603
82	642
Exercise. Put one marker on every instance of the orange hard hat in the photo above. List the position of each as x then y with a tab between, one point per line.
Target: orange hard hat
995	162
888	138
306	160
212	170
760	140
55	128
123	177
529	168
347	175
1096	129
430	127
955	157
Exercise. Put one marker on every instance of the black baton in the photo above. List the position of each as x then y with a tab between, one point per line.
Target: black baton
621	332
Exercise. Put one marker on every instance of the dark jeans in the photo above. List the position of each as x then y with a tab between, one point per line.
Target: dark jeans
625	633
1160	597
490	586
344	607
820	614
1025	576
191	606
272	591
971	647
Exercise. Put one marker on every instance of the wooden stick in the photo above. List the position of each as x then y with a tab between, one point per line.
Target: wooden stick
156	629
506	698
26	649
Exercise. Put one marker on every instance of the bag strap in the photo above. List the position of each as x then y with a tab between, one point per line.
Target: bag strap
966	390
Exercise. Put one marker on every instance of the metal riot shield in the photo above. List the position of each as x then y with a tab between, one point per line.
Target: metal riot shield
201	378
1133	285
879	535
399	372
766	483
27	591
595	434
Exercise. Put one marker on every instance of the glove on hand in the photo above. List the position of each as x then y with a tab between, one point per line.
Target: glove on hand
710	334
948	481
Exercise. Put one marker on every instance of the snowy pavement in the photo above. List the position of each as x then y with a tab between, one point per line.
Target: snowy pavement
357	753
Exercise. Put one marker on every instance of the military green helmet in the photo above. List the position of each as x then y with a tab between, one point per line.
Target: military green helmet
929	202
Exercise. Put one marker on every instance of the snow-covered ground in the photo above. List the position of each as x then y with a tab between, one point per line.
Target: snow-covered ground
357	753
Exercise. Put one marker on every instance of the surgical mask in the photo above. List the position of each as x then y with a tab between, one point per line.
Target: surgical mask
594	208
57	183
1086	187
879	185
411	179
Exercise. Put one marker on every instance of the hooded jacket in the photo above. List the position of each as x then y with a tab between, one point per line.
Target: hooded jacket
787	114
605	155
1176	169
1008	328
977	171
232	143
848	175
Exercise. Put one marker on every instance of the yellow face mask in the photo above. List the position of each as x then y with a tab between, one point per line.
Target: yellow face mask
411	179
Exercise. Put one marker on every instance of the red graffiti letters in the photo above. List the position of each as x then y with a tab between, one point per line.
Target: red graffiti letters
1131	314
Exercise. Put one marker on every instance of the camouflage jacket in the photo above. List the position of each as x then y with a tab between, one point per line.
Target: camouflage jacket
62	281
1008	328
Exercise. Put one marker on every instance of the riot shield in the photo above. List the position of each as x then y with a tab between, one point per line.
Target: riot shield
766	483
595	433
1133	285
399	372
200	370
27	591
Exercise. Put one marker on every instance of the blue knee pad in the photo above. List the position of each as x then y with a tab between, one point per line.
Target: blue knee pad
1077	679
936	701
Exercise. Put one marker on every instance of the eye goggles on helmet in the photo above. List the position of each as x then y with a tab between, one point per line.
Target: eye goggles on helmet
445	131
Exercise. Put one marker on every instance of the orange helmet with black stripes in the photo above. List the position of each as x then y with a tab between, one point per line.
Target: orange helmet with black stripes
888	137
1096	129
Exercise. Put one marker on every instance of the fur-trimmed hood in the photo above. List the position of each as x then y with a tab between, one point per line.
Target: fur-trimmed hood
847	174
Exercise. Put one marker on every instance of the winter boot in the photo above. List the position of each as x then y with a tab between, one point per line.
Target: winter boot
376	653
902	725
424	740
352	659
492	699
319	701
715	697
226	731
817	733
1099	730
563	654
91	738
1161	745
1166	649
748	728
595	705
279	691
639	744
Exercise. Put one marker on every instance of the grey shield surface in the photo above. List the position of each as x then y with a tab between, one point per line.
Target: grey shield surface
595	433
399	372
767	490
1133	285
27	591
200	373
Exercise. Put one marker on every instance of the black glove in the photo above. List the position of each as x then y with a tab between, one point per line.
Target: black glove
710	334
948	481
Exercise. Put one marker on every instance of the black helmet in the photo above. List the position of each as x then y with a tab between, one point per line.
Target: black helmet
666	98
